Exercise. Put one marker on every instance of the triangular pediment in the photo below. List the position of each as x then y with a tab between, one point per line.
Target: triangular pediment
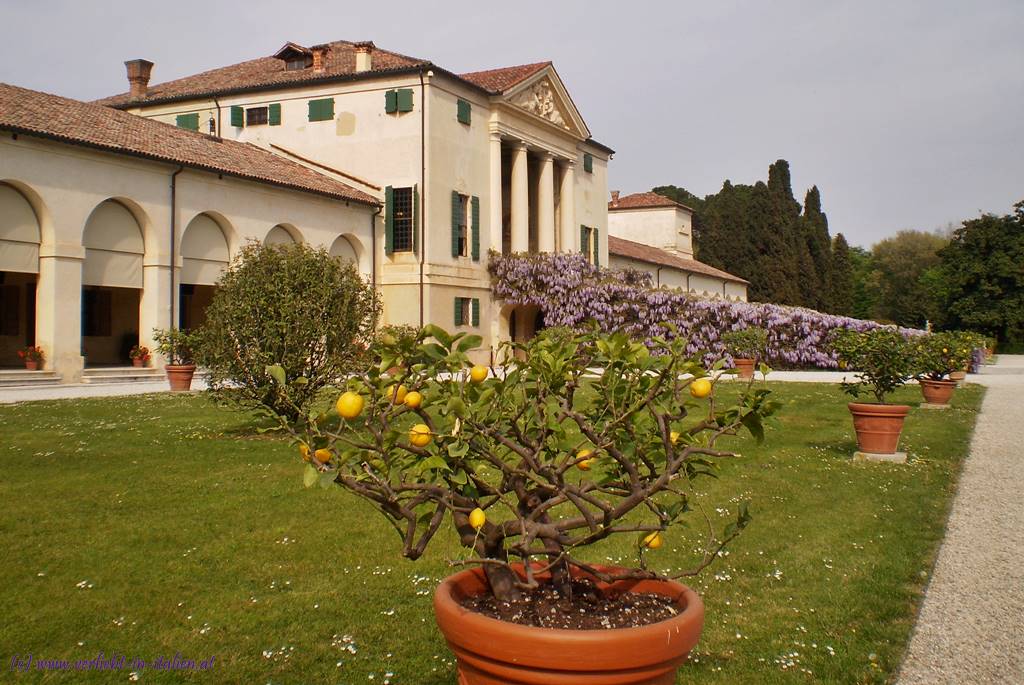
544	96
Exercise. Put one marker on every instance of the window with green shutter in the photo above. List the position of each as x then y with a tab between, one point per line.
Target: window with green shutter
187	121
463	111
597	247
237	116
391	101
476	312
460	314
405	100
321	110
275	113
460	211
467	311
585	241
475	238
588	162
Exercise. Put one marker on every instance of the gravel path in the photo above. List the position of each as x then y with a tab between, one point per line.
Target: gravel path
971	627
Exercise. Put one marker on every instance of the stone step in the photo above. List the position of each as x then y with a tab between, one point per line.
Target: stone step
121	374
13	378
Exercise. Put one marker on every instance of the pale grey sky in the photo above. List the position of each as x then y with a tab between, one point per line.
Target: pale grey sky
905	114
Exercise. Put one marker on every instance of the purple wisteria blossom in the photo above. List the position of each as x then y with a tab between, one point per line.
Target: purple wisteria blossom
572	292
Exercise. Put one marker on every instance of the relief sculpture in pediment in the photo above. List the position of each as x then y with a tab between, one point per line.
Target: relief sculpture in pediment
539	99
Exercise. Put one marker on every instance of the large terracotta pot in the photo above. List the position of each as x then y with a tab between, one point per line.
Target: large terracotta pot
31	366
493	652
878	426
745	367
179	376
937	392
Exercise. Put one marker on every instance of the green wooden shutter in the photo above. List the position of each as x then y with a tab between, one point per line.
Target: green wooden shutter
321	110
314	110
416	219
187	121
405	100
458	311
389	220
328	108
475	202
237	116
391	101
476	311
597	249
274	114
588	163
456	207
584	240
463	112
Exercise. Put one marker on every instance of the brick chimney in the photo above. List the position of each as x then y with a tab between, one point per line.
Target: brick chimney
138	77
364	55
319	58
615	198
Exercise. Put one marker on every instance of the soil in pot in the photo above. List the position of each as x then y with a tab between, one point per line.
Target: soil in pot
878	426
937	392
496	652
745	367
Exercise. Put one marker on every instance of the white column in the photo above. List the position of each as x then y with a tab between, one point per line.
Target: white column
59	309
155	303
520	200
546	204
570	232
495	199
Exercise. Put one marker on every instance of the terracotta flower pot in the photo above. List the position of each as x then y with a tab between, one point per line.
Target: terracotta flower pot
180	376
31	366
937	392
878	426
494	652
138	362
745	367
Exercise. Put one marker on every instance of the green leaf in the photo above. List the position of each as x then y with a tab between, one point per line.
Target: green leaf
327	479
310	476
434	462
470	342
457	406
277	373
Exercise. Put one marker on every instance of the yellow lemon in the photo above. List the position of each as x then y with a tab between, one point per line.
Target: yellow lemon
478	373
323	455
653	540
419	435
413	400
350	405
477	518
583	459
397	394
304	451
700	388
674	437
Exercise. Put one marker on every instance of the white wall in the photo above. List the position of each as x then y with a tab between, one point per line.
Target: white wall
667	228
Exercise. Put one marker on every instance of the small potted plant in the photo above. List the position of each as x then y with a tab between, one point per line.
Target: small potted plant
937	356
33	357
747	346
175	346
139	355
527	468
884	361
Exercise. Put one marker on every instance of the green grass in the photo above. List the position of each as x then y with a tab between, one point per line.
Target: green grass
175	514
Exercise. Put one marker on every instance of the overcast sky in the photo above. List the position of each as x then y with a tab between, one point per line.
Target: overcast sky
905	114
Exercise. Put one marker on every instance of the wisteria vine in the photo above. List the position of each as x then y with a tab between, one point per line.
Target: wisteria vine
571	292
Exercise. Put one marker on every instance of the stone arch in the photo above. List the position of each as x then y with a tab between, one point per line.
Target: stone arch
20	232
205	250
115	246
348	248
283	234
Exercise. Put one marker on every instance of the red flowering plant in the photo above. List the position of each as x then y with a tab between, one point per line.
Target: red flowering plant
32	353
140	352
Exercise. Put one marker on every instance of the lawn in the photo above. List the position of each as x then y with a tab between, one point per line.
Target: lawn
159	525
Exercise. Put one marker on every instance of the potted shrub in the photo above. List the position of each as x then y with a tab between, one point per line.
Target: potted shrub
937	356
139	355
175	346
747	347
883	360
33	357
528	467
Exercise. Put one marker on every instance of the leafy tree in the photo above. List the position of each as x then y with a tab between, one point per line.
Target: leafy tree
292	306
899	265
982	271
863	292
840	300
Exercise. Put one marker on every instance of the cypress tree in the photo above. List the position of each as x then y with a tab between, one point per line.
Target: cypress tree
819	247
841	291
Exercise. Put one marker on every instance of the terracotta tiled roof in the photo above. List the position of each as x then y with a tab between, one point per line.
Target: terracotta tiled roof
497	81
643	201
265	72
654	255
81	123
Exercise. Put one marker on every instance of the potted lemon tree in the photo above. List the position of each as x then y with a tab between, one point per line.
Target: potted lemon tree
884	362
747	347
937	356
528	466
175	346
